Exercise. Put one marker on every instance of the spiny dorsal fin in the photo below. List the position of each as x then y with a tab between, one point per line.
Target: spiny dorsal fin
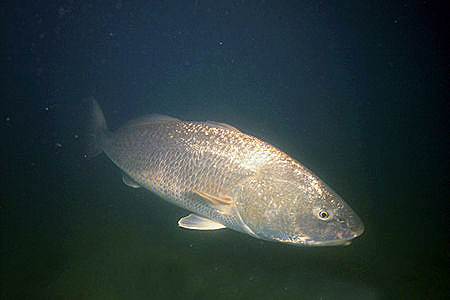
150	119
199	223
221	125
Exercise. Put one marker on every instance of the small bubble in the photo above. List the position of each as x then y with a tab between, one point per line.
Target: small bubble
220	43
59	145
46	108
76	136
7	119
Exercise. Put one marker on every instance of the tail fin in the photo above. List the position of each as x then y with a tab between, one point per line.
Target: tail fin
97	129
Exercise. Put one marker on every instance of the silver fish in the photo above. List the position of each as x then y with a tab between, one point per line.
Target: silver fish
226	178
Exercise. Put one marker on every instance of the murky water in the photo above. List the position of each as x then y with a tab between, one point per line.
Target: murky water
354	92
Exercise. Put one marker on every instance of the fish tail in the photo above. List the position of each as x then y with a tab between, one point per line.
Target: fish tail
97	130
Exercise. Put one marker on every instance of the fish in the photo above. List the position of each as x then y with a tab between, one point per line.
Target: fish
225	179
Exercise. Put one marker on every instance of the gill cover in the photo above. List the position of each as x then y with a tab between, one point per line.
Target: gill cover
265	207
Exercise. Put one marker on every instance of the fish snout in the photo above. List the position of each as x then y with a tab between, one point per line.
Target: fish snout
350	227
355	227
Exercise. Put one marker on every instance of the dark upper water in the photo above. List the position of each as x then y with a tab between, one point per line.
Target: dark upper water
356	90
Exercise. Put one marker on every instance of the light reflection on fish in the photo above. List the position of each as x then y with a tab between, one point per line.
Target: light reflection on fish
226	178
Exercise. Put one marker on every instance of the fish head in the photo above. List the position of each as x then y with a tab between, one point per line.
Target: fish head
307	213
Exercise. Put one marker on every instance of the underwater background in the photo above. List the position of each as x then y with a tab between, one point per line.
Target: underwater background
355	90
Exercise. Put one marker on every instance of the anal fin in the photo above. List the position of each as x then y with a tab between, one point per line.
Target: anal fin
199	223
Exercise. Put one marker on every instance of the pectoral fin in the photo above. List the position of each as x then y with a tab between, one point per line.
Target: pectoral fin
213	199
199	223
130	182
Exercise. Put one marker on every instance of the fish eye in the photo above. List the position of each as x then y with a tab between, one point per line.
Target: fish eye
323	214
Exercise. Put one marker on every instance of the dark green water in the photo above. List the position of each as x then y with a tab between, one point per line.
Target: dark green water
356	92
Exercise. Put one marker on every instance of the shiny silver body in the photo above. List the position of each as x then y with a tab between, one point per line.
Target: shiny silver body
250	186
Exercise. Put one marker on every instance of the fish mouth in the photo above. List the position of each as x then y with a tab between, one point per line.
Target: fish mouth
341	240
306	241
329	243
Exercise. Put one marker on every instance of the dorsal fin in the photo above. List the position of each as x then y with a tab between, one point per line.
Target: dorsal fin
150	119
221	125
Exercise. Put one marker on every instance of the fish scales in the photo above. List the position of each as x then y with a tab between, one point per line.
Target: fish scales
170	157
